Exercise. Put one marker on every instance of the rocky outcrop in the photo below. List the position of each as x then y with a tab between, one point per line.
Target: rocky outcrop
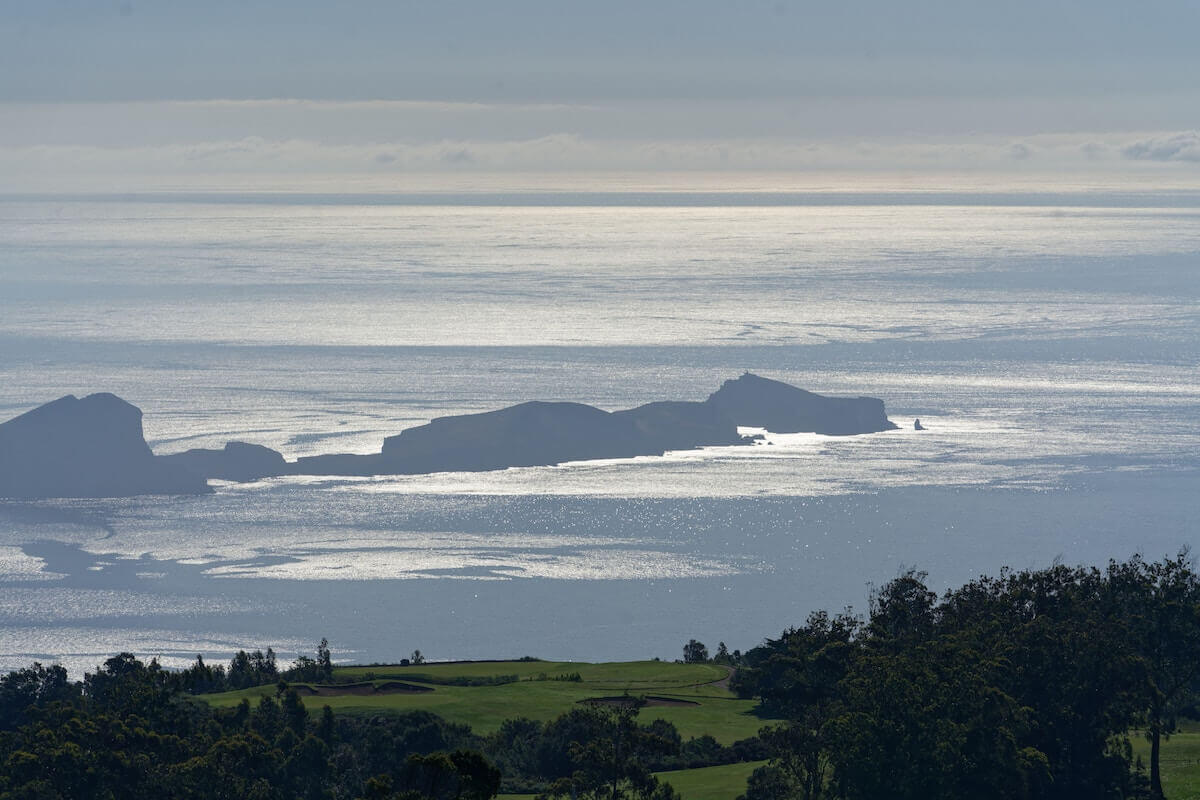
757	402
94	447
681	425
89	447
525	435
534	434
238	461
338	464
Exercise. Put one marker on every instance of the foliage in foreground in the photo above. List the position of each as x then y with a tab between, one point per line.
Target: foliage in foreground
1022	686
129	731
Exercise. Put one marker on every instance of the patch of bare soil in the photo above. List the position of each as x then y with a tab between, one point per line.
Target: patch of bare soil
724	682
361	689
396	687
625	701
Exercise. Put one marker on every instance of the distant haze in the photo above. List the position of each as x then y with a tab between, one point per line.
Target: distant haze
123	94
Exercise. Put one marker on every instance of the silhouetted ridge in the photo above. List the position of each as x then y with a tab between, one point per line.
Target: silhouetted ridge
238	461
525	435
94	447
90	447
757	402
682	425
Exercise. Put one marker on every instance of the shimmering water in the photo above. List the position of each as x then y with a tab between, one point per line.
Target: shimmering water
1049	342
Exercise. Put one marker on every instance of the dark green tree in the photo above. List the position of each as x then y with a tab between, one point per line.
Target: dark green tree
1161	605
610	763
695	652
324	661
25	688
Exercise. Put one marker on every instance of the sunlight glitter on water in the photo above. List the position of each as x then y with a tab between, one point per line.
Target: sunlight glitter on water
82	649
1048	343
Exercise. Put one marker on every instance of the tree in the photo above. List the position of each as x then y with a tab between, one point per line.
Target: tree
132	734
1161	603
610	763
28	687
695	652
799	676
478	779
326	728
324	661
416	657
252	669
1024	685
770	783
928	723
125	685
294	711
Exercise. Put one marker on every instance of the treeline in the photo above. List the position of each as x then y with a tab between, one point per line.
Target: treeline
246	670
589	748
1028	685
130	730
1025	686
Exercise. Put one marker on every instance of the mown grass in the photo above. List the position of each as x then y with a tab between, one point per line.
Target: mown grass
1180	772
1180	760
1180	765
706	783
618	675
717	711
711	783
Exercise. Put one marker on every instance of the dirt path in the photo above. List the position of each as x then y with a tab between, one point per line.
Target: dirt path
625	701
723	682
364	688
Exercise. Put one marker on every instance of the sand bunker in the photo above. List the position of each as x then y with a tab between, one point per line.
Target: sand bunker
625	701
390	687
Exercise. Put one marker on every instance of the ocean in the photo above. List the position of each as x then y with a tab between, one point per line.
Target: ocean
1047	336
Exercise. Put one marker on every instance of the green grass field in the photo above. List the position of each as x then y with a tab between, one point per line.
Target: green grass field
1180	763
717	711
711	708
707	783
711	783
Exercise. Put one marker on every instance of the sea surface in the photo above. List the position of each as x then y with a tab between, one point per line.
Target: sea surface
1047	335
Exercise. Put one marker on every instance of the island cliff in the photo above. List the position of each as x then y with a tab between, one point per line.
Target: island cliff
757	402
543	434
237	461
538	434
89	447
94	447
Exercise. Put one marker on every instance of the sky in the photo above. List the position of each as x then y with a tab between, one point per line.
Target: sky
121	91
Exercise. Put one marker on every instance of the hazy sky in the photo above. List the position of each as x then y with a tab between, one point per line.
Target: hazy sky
112	87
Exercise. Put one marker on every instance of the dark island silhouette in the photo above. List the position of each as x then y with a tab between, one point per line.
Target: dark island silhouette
89	447
238	461
534	434
781	408
94	447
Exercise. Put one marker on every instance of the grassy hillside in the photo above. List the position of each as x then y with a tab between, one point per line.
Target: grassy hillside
692	696
706	707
